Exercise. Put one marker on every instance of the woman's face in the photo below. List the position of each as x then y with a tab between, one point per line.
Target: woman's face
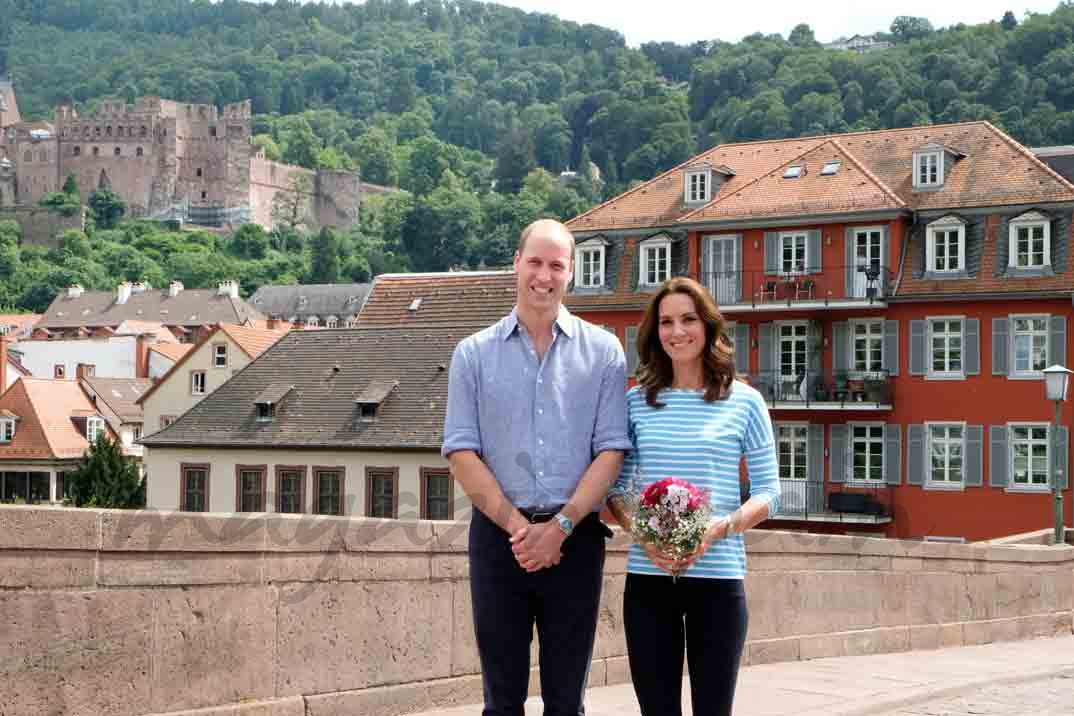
682	332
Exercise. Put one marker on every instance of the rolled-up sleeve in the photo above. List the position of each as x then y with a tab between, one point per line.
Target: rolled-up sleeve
461	424
610	425
623	484
759	448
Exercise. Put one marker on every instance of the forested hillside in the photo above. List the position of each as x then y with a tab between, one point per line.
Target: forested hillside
460	102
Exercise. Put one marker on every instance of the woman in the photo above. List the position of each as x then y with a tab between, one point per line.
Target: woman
690	418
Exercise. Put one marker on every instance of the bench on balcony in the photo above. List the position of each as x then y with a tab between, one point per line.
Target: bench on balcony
854	502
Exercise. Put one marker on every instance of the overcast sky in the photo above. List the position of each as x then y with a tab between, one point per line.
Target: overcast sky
686	21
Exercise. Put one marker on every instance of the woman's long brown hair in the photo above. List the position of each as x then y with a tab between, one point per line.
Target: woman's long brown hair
718	363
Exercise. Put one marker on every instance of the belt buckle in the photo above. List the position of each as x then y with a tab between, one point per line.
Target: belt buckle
538	517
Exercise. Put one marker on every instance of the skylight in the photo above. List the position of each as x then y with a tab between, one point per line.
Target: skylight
831	168
794	172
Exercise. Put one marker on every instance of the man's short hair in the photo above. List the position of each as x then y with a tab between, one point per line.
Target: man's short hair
538	224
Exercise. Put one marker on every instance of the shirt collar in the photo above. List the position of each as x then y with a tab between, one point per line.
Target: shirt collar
564	322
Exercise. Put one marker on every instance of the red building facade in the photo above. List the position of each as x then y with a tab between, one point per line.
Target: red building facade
893	294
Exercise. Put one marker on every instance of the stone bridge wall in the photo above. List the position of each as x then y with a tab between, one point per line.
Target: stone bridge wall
132	613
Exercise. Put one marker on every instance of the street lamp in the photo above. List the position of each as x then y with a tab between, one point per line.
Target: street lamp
1056	382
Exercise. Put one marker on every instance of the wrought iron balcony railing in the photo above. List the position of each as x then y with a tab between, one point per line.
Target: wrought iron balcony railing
851	390
839	284
814	501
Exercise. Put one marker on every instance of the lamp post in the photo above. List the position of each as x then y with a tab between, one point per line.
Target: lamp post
1056	382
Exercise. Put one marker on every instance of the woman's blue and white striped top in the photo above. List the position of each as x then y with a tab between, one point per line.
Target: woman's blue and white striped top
702	443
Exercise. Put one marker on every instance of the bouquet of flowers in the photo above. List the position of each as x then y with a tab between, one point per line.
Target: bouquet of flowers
673	516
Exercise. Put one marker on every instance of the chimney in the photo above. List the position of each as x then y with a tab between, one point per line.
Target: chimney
228	288
141	355
75	290
140	287
123	292
175	288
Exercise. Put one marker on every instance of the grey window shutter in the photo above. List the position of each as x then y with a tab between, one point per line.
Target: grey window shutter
766	341
1001	350
838	449
813	343
1057	341
1063	450
998	467
771	252
840	346
891	347
850	270
915	454
893	454
971	349
737	268
742	348
631	349
973	459
816	454
918	348
813	251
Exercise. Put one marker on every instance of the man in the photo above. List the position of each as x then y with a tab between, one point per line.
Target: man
535	432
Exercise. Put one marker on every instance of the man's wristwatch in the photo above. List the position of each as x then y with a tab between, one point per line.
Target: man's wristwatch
565	524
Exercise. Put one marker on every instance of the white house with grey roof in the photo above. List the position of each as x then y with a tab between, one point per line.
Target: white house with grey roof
326	305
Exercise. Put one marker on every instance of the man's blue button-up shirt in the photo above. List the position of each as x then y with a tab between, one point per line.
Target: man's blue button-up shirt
537	424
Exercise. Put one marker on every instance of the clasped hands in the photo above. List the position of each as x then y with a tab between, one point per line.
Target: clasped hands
537	546
675	565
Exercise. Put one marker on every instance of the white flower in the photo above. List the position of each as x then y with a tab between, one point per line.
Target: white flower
654	524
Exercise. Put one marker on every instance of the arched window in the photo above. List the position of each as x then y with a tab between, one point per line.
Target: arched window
138	151
97	131
331	322
108	131
312	322
117	151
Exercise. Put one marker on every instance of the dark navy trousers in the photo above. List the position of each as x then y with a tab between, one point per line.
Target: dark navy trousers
562	601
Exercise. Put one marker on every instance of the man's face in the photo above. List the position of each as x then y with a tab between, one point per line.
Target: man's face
544	268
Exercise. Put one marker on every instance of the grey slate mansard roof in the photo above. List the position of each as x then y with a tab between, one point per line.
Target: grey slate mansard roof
321	300
192	306
329	370
120	395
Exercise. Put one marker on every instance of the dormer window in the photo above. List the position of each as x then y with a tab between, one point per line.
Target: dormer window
945	250
268	400
654	261
94	428
372	397
265	412
1030	242
589	264
7	430
312	322
367	412
928	169
698	186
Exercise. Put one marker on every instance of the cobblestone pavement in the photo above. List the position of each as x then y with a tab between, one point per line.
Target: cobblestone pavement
1052	697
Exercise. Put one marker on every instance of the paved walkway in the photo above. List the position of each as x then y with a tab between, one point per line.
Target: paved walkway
1010	678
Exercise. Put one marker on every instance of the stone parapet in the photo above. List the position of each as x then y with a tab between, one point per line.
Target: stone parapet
140	612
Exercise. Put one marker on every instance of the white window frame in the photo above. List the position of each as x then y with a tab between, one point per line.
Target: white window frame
930	481
644	249
924	158
852	480
1030	487
194	382
313	322
331	322
94	427
581	252
794	338
945	225
217	355
1029	374
7	430
1030	220
930	373
692	193
871	322
793	237
798	425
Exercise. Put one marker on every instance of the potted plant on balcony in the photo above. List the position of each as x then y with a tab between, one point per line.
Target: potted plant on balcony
876	388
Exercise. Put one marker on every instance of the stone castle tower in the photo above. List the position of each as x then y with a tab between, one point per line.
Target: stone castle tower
166	159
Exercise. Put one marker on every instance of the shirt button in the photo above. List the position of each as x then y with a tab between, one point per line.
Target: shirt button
541	473
540	411
540	442
539	381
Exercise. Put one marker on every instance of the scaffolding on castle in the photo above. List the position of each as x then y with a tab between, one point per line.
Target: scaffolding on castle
217	216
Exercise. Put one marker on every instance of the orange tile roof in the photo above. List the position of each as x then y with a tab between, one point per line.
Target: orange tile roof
18	322
174	351
463	298
995	170
45	429
253	341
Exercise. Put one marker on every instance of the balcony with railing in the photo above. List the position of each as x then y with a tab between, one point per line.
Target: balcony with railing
813	501
826	390
837	287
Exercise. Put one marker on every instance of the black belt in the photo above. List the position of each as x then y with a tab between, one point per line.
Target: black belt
544	514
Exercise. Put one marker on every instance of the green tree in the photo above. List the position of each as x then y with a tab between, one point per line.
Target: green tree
325	264
105	477
514	160
802	36
291	206
107	208
300	145
70	186
906	28
1009	22
376	159
266	143
249	242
